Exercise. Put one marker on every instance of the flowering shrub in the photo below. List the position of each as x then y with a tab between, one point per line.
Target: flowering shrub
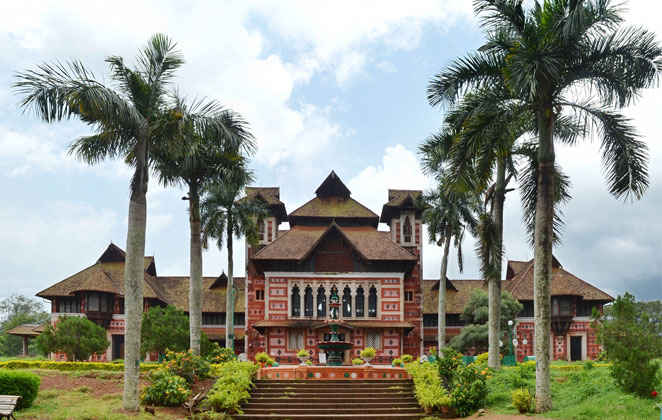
220	354
427	385
448	363
468	389
186	365
166	389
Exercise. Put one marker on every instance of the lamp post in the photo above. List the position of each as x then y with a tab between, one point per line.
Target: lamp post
510	360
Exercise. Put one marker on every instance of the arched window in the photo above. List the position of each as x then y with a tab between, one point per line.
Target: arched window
260	228
406	230
321	302
347	302
360	302
372	302
308	301
296	301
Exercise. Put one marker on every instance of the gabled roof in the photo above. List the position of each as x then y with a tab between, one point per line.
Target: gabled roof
30	330
300	241
332	186
106	275
456	299
449	285
563	283
270	196
399	199
333	202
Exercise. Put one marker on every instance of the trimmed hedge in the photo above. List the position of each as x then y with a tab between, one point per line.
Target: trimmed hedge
70	366
25	384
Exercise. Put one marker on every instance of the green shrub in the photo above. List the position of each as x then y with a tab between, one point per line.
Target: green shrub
368	352
631	341
481	359
468	389
309	362
75	336
25	384
165	389
270	361
357	362
71	366
397	362
231	388
219	354
522	400
185	364
428	388
407	358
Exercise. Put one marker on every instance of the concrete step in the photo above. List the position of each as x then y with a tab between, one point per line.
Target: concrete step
384	416
334	381
322	384
375	412
333	399
279	390
346	395
315	405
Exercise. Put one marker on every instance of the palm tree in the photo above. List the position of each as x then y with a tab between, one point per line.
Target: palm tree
225	215
447	215
129	119
562	60
200	158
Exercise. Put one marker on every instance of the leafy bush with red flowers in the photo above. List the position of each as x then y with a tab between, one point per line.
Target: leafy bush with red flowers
186	365
654	394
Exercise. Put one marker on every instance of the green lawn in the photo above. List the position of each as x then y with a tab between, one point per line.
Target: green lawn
587	394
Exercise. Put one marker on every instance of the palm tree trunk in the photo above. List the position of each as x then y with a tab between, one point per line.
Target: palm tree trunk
133	284
494	284
542	253
195	286
441	322
229	306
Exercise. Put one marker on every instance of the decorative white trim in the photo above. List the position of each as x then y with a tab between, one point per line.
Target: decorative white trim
583	343
349	275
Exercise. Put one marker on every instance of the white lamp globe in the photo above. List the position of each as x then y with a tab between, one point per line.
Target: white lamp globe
510	323
515	342
525	342
500	343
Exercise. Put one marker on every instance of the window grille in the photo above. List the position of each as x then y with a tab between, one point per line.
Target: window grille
321	302
295	340
373	339
308	301
347	302
406	230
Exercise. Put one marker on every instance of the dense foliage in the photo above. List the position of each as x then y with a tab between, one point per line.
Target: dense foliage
475	314
14	311
631	340
164	328
165	389
186	365
235	379
467	385
25	384
75	336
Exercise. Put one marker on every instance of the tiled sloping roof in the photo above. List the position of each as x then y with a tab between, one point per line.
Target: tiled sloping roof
334	207
563	283
294	244
301	240
514	267
374	246
271	197
396	199
31	330
176	292
455	301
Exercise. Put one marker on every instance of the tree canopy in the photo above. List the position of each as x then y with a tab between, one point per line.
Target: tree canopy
75	336
14	311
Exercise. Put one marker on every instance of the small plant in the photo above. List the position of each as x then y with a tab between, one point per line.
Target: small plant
185	364
368	352
270	361
166	389
309	362
231	388
261	357
407	358
397	362
303	353
468	389
83	389
433	351
588	365
522	400
448	363
357	362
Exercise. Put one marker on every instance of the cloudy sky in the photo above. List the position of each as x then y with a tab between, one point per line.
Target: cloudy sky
326	86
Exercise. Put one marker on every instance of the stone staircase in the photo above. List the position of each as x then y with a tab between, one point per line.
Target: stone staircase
332	400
